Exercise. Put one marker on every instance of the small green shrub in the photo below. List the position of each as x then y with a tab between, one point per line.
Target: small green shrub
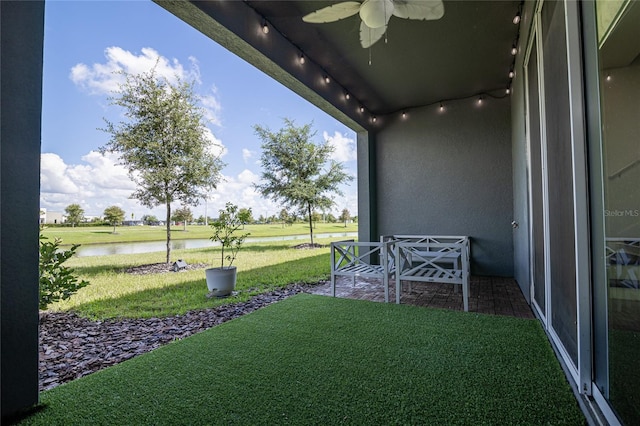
57	282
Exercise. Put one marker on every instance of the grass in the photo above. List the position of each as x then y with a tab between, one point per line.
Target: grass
320	360
114	293
98	234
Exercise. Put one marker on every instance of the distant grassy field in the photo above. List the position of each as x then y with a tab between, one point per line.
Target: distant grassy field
104	234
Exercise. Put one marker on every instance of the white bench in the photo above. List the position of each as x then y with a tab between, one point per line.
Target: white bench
432	259
360	259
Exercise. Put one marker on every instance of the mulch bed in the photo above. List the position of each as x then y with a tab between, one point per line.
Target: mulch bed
72	347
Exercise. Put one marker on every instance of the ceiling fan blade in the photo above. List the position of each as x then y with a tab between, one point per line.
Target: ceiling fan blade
368	35
419	9
333	13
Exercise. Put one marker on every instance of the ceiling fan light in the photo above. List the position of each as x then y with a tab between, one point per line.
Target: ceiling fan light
376	13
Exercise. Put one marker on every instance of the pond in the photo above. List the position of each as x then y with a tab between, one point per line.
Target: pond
152	246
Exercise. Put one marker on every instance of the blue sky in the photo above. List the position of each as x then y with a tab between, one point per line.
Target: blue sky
85	41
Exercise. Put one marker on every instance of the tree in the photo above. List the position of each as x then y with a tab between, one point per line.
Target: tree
345	216
298	172
149	219
245	216
113	215
315	218
163	143
75	214
284	216
183	215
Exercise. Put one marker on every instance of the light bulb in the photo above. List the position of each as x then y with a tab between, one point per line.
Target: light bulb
480	100
514	50
347	96
374	119
327	79
508	91
404	114
441	107
512	74
265	28
361	108
302	60
516	19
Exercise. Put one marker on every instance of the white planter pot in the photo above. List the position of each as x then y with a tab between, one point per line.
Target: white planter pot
221	281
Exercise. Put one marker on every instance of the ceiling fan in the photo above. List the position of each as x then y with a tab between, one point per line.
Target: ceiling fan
375	15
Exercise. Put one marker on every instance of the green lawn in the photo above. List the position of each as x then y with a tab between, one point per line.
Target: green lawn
321	360
98	234
114	293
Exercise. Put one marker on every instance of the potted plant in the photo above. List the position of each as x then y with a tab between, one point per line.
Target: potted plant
222	280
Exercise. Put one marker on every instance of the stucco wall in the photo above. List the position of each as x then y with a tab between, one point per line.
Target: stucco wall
449	173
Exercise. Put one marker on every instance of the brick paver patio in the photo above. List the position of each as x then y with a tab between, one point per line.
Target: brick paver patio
488	295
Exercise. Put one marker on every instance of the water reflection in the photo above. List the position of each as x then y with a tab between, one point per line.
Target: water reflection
153	246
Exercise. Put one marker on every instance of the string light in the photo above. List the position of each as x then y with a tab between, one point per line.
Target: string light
347	96
441	107
302	60
508	91
404	114
608	77
327	79
514	50
480	100
361	109
512	74
374	118
516	19
265	27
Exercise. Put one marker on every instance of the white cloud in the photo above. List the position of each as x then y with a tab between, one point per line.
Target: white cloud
212	108
216	146
247	154
105	78
344	147
54	176
95	185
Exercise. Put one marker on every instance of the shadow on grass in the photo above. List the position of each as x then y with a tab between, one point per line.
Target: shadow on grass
184	296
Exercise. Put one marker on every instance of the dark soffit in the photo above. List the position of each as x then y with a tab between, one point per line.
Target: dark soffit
465	53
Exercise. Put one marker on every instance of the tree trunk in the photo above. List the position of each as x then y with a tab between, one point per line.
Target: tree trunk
168	223
310	223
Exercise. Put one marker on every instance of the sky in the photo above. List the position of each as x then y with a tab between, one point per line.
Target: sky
86	42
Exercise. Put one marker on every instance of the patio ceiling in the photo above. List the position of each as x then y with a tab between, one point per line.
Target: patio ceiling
463	54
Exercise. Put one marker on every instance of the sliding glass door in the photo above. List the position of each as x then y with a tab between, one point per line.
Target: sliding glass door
617	321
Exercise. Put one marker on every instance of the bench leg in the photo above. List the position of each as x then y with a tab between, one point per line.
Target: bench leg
465	294
333	285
